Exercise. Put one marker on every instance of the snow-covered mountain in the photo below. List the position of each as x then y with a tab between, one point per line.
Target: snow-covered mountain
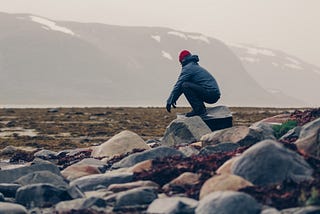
67	63
278	72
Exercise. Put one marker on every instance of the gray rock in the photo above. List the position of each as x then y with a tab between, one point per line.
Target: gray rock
1	197
140	196
309	139
10	175
9	190
269	162
46	154
222	147
184	130
265	129
292	133
227	202
81	205
173	205
92	182
42	177
158	152
218	117
302	210
189	151
41	195
241	135
11	208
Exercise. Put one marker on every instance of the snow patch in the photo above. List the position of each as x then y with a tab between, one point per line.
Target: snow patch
249	59
166	55
51	25
256	51
293	66
156	37
293	60
179	34
199	37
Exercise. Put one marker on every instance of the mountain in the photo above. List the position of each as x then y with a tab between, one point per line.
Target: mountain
46	62
278	72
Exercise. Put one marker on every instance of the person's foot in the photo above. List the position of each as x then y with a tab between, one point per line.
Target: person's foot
192	113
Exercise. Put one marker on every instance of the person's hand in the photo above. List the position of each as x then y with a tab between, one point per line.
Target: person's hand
168	107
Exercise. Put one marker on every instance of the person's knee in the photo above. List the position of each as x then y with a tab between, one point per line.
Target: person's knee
185	86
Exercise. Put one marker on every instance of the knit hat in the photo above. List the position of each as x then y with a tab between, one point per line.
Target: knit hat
183	54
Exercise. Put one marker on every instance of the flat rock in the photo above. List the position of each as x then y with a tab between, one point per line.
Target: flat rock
82	205
227	202
223	182
9	189
218	117
186	179
184	130
132	185
309	139
222	147
122	143
11	208
92	182
158	152
240	135
173	205
269	162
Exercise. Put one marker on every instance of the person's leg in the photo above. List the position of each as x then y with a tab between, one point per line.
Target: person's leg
195	96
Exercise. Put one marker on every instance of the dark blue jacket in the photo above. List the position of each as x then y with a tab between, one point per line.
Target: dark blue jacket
194	73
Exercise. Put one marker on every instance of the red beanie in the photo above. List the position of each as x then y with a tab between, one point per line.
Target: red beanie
183	54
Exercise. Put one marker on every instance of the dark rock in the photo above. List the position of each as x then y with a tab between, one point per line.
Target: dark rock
184	130
53	110
83	205
269	162
140	196
228	202
42	177
46	154
92	182
10	175
222	147
173	205
1	197
41	195
9	190
11	208
158	152
219	117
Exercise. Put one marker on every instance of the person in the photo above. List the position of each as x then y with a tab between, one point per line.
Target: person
196	83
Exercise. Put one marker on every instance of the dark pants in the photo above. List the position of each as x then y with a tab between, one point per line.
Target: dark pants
197	96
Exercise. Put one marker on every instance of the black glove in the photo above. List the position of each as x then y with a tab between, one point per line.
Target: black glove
168	107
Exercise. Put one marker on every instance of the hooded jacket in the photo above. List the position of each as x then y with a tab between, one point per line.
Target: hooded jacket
192	72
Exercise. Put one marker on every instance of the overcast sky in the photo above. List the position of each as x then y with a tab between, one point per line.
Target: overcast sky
289	25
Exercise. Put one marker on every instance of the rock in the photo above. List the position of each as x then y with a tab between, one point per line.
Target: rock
158	152
9	190
1	197
42	177
227	166
137	197
240	135
292	133
219	117
222	147
11	150
184	130
10	175
189	151
122	143
269	162
46	154
265	129
53	110
82	205
11	208
185	180
302	210
132	185
85	167
41	195
92	182
173	205
223	183
277	119
141	166
227	202
309	139
270	210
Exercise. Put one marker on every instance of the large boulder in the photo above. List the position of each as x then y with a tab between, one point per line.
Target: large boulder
309	139
93	182
223	182
173	205
10	175
218	117
228	202
122	143
269	162
240	135
184	130
158	152
11	208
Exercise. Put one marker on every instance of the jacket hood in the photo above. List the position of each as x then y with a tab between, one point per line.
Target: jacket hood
188	59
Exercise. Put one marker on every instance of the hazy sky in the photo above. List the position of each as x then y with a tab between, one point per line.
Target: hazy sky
289	25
